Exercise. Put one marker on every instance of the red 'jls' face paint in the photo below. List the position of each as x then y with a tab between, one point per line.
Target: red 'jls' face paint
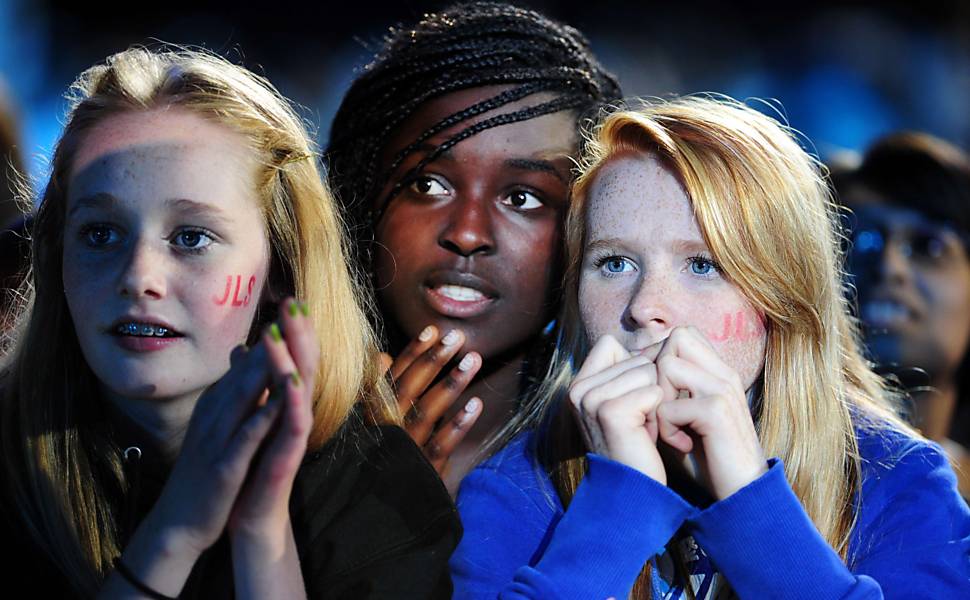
647	269
222	299
738	327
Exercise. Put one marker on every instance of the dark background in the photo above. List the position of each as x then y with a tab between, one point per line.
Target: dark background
843	72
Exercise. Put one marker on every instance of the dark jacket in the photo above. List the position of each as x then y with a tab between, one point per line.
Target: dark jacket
370	516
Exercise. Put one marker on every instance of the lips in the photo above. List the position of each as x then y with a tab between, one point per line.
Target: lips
143	334
459	294
885	313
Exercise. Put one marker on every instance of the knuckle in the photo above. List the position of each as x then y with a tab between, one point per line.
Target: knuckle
452	383
433	450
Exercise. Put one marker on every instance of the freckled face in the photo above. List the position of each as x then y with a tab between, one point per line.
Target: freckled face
473	242
647	269
165	251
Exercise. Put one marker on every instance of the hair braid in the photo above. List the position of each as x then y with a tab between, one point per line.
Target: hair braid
463	47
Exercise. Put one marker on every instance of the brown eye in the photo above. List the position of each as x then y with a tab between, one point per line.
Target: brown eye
523	200
428	186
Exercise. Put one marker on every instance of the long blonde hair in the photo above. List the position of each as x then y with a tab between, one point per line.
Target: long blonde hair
763	207
59	468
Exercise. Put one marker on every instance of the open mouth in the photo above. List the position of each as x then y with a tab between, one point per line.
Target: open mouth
459	293
149	330
885	313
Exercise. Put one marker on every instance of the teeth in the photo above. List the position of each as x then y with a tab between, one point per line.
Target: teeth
460	293
883	312
142	330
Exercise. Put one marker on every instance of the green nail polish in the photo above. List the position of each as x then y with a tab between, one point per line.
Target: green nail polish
294	307
274	332
295	377
304	309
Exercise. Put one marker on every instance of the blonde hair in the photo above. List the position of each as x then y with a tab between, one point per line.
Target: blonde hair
764	210
59	466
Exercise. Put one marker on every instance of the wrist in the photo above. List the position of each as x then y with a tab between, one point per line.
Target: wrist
268	536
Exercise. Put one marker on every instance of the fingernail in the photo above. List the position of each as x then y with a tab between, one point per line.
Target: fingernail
294	308
426	333
467	362
473	405
304	309
274	332
450	338
295	376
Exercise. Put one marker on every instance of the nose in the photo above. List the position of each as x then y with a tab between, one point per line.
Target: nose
469	229
650	308
894	264
142	275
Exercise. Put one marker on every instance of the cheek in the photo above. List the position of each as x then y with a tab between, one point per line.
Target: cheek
739	337
228	304
601	309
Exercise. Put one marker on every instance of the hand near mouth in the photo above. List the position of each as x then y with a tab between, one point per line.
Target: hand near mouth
705	413
235	470
413	371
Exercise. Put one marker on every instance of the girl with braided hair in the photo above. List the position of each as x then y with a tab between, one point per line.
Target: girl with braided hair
451	154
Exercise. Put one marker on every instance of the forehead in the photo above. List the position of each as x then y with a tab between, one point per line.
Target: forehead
169	152
548	136
638	196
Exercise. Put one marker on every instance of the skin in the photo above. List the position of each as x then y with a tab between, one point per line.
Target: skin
136	248
912	275
486	216
664	368
161	210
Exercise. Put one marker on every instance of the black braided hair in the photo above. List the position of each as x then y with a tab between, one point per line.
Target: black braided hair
465	46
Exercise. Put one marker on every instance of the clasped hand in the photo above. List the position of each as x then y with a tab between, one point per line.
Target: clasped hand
245	442
678	392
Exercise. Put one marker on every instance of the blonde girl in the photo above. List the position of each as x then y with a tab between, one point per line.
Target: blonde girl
146	450
735	441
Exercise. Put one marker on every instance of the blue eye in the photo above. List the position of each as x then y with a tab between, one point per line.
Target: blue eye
99	236
700	265
194	240
613	265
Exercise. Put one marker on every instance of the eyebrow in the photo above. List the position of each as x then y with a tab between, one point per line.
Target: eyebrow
106	201
101	200
522	164
198	209
604	243
531	164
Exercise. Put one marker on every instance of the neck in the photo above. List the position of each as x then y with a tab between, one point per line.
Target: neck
934	409
161	422
499	391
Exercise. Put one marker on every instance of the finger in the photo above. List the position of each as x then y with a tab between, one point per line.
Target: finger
287	444
438	450
675	418
281	363
692	345
605	353
429	408
226	403
386	361
676	375
247	439
413	382
300	337
638	376
580	387
631	412
414	349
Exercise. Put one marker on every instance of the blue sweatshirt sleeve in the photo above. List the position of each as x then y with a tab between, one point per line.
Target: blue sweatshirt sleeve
912	524
618	519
